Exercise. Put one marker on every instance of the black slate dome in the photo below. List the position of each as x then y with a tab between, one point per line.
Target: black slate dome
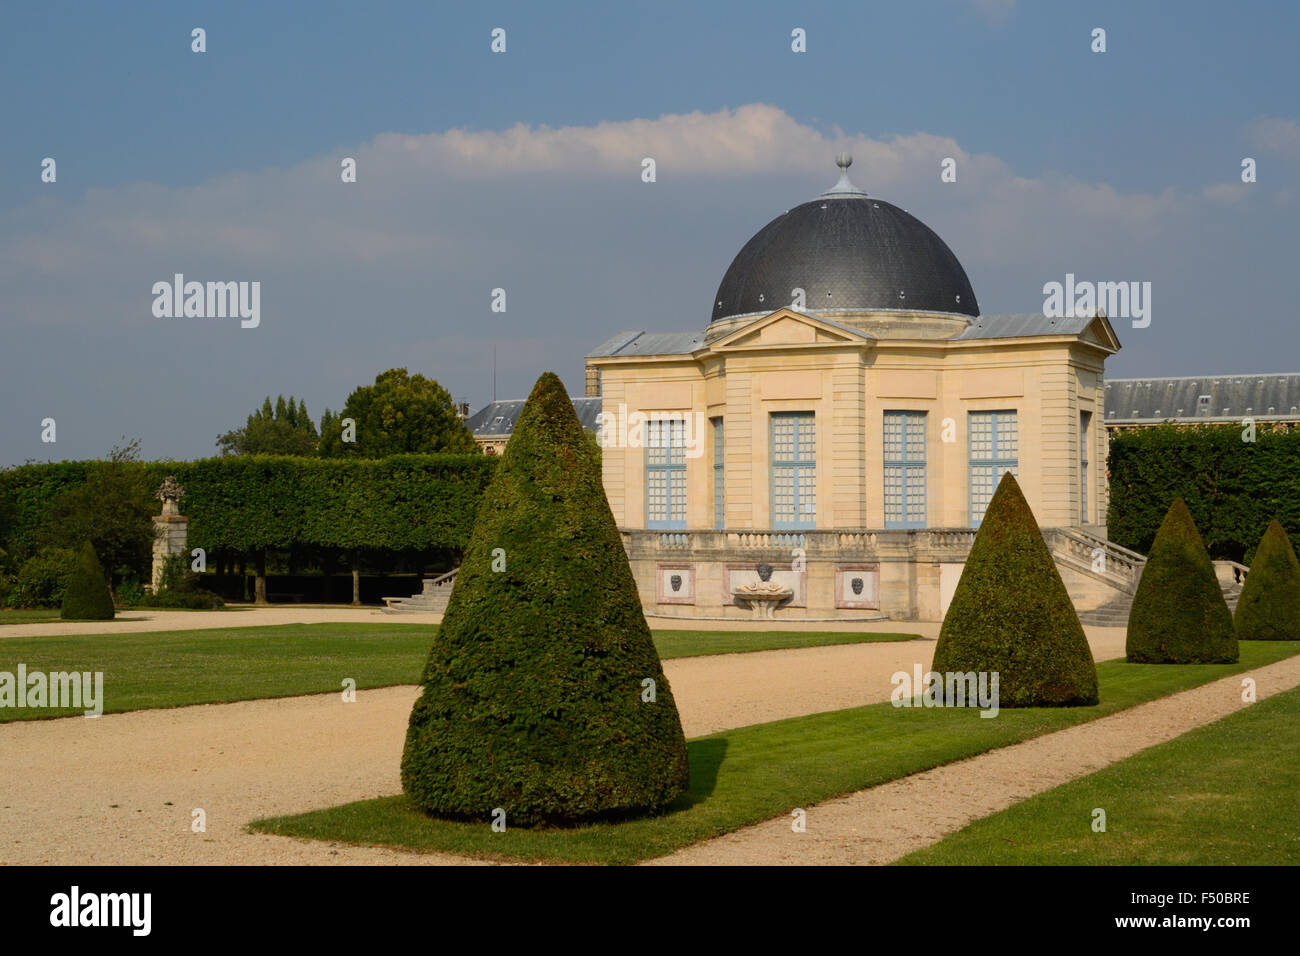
847	251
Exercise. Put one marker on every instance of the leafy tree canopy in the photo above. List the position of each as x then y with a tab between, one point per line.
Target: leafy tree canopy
112	509
400	414
285	429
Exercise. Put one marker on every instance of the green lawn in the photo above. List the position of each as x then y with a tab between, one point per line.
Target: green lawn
35	616
1227	793
743	776
698	643
176	668
124	615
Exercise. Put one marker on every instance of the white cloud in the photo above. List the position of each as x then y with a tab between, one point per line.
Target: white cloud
411	200
1228	193
397	268
1275	135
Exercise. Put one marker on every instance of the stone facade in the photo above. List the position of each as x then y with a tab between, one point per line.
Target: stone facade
847	372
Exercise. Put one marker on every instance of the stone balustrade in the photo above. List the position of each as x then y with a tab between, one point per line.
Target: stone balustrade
867	544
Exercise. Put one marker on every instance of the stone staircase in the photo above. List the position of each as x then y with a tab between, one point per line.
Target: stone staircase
1112	614
432	599
1100	575
1231	578
1106	568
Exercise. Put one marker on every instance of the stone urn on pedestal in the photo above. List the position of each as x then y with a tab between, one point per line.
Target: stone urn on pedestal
170	527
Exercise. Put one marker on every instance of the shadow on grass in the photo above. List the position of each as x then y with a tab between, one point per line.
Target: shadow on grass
705	757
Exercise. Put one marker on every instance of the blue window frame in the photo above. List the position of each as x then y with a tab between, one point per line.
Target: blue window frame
665	474
904	469
994	447
1085	423
719	488
794	470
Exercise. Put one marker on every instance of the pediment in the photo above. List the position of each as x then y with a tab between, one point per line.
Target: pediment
786	327
1101	333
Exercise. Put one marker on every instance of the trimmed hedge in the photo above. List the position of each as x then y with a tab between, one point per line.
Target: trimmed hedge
1011	614
87	597
249	503
1232	488
532	694
1179	615
26	493
405	502
1269	606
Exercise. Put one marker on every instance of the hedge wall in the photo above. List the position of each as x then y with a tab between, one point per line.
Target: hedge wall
25	496
247	503
1233	488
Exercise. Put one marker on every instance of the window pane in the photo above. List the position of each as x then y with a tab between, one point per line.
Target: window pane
893	494
893	436
719	500
914	489
666	473
794	476
904	469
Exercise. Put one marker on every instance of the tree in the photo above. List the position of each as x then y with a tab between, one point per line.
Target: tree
1269	606
286	429
87	597
113	510
1012	615
1179	615
43	578
400	413
543	694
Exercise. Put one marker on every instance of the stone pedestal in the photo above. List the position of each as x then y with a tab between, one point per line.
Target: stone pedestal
169	538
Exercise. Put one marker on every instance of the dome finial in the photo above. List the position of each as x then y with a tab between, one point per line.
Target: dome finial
844	189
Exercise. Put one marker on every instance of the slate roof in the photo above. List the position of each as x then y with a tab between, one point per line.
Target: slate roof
1023	323
1203	398
853	253
635	342
484	423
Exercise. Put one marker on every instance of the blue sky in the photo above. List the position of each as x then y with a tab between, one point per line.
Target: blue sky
521	170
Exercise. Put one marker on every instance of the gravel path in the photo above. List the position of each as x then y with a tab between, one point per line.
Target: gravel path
884	823
149	620
121	788
246	616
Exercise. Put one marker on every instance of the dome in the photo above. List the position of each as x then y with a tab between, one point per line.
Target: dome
849	252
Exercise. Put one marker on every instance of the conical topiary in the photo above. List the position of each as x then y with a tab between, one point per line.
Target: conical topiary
1269	606
1012	615
537	696
87	597
1179	615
